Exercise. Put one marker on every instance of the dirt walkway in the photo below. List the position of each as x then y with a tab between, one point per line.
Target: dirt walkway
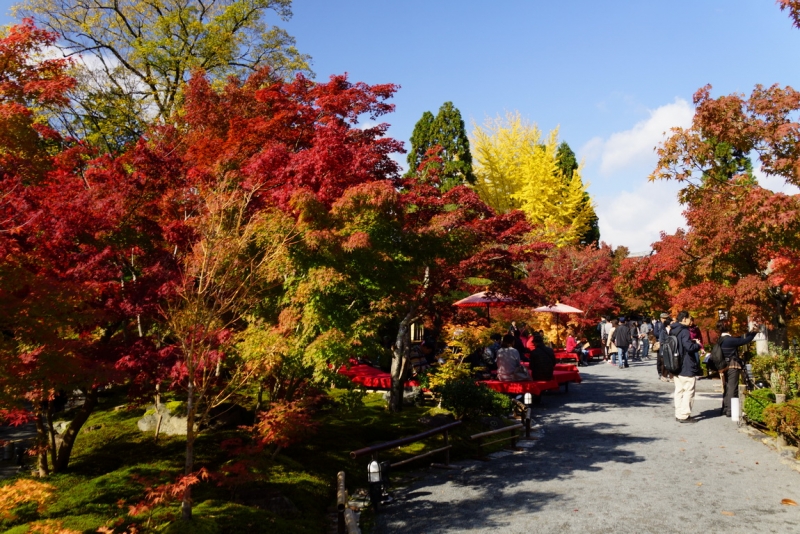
613	460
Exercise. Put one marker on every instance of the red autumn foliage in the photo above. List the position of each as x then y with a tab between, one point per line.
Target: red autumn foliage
578	276
166	493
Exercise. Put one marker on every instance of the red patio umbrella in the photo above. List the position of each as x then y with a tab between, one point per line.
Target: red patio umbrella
485	299
557	309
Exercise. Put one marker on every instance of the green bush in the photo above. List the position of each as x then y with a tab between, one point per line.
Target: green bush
784	418
756	401
466	399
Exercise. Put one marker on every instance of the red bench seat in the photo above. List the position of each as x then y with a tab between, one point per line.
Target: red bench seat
370	377
534	387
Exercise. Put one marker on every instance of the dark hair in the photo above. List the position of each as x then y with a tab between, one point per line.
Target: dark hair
682	315
495	337
508	340
614	322
537	337
723	326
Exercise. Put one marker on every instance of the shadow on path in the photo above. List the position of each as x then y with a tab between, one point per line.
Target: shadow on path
487	495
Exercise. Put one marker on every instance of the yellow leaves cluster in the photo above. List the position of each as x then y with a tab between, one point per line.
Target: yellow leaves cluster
23	491
516	168
50	526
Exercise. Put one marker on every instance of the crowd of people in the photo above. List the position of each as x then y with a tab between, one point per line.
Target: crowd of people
507	353
522	354
622	339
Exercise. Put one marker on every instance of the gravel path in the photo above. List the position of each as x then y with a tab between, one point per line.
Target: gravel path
613	459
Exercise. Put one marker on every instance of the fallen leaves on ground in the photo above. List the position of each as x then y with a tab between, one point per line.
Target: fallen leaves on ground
788	502
727	513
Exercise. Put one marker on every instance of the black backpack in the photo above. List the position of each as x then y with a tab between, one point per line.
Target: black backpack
718	359
670	353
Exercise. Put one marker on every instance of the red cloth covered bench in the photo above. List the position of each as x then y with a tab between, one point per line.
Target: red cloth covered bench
518	388
564	355
370	377
596	353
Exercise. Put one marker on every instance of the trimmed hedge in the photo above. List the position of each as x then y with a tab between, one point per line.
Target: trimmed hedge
755	403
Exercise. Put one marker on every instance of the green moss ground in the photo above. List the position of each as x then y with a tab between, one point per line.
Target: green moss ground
112	464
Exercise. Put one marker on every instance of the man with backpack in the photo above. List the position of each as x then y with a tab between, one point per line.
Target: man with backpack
687	368
623	340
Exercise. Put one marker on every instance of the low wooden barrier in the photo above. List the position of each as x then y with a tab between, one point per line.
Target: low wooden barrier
341	502
375	449
513	437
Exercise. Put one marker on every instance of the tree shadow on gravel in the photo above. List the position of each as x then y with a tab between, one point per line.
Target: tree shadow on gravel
600	393
486	495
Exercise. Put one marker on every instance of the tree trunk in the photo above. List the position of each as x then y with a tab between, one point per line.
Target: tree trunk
51	434
41	441
186	504
71	433
260	398
780	301
400	362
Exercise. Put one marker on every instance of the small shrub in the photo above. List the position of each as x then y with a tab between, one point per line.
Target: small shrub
351	400
756	401
784	418
466	399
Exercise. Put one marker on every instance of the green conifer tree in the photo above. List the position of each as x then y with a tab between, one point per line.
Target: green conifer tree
447	131
567	162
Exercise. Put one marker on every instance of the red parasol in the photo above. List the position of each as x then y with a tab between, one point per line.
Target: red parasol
484	299
557	309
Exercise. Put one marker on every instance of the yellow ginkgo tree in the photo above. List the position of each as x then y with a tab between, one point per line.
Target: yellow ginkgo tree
516	167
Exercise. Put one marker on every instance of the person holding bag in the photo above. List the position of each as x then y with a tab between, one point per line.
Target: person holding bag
730	374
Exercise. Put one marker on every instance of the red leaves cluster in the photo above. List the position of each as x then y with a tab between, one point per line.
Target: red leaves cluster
166	493
578	276
285	423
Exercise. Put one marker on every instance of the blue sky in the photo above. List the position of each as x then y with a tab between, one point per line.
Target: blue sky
612	74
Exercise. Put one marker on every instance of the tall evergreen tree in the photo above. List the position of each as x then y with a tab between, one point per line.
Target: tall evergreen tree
567	163
420	142
447	131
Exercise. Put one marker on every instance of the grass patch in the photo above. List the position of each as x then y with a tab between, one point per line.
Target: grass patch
113	463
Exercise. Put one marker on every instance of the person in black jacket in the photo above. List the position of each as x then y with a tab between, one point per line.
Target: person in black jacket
730	375
622	339
543	359
686	379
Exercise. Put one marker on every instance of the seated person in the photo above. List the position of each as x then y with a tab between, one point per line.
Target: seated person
490	353
519	345
543	360
419	357
583	346
509	367
571	343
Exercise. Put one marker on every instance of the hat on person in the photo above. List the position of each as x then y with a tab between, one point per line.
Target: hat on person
665	316
622	319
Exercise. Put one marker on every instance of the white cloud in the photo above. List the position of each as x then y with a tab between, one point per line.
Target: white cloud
632	211
774	183
636	218
636	146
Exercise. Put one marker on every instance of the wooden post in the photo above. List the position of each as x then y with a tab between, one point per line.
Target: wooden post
341	502
158	425
351	522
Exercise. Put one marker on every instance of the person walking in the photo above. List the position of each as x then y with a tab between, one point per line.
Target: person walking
686	379
603	328
730	375
644	338
622	339
611	348
633	351
661	331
